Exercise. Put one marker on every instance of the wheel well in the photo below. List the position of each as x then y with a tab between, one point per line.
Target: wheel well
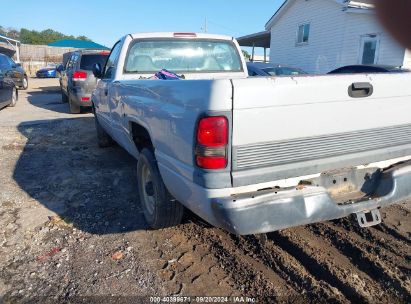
141	137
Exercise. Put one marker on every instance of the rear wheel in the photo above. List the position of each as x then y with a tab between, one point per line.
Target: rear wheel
74	109
13	98
160	209
25	83
64	97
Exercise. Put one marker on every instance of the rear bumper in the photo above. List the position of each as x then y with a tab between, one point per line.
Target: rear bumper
76	98
266	211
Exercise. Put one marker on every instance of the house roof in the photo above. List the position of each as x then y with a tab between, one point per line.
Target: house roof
78	44
357	4
261	39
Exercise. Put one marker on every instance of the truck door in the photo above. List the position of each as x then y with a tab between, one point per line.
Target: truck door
104	85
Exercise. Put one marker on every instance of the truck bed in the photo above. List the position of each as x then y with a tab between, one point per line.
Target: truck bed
296	126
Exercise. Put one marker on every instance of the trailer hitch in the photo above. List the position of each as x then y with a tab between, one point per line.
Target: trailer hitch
369	218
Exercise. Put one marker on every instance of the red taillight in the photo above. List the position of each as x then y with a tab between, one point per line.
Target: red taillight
212	139
85	98
211	162
212	131
79	76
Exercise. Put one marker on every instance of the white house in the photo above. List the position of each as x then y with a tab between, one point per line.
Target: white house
321	35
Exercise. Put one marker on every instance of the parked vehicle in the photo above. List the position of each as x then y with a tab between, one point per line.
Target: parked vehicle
252	154
16	72
271	69
47	72
360	68
77	80
8	90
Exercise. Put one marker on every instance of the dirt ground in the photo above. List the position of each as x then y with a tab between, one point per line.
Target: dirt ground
72	230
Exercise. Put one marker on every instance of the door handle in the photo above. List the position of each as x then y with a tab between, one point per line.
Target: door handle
360	89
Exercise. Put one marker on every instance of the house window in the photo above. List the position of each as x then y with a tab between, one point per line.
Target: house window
303	33
369	49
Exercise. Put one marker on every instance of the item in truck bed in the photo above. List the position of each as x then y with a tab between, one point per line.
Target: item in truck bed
166	75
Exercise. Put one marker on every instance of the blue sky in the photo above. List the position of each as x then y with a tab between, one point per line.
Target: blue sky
105	21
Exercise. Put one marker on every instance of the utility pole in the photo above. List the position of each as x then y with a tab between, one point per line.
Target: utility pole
205	27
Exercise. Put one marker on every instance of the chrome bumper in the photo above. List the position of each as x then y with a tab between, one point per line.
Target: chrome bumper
266	211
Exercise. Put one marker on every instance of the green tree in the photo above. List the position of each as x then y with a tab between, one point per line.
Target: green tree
83	38
9	32
45	37
246	54
13	33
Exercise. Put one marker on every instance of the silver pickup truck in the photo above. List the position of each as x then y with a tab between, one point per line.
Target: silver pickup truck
252	155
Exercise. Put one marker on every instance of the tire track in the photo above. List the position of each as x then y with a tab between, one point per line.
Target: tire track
333	262
326	263
251	277
394	234
389	260
378	237
268	265
363	260
373	240
291	269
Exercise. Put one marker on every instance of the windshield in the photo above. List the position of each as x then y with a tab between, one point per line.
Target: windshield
148	56
283	71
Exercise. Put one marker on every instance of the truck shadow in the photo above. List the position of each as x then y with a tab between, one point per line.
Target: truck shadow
94	189
49	98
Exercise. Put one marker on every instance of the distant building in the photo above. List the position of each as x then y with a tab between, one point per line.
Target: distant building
10	47
78	44
321	35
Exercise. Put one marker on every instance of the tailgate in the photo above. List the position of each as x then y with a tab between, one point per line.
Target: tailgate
293	126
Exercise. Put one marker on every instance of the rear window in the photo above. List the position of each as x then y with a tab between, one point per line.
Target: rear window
182	55
87	61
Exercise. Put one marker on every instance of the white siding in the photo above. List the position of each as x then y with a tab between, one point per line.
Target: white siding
360	24
321	54
334	40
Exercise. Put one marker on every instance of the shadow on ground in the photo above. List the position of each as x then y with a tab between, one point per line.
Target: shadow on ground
49	98
94	189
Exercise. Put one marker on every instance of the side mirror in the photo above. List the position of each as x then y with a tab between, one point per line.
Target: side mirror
18	65
97	70
59	68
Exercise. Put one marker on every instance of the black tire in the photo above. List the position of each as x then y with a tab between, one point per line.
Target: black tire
159	207
74	109
103	139
13	98
25	84
64	98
